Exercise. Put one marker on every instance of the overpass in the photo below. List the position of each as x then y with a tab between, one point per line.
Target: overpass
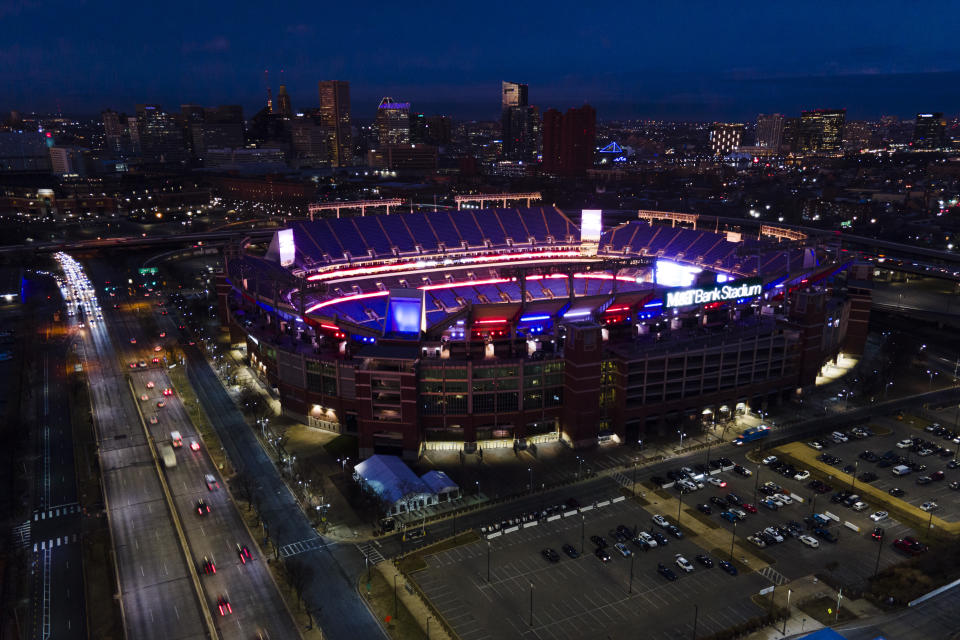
133	242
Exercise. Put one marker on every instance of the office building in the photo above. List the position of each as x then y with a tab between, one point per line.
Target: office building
859	135
821	131
335	118
725	138
284	106
520	123
24	151
405	159
930	131
114	132
569	141
791	127
308	142
393	122
68	161
770	131
160	135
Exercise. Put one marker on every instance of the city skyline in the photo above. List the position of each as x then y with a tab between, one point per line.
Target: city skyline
80	60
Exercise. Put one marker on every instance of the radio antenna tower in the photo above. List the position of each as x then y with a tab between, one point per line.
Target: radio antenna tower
266	79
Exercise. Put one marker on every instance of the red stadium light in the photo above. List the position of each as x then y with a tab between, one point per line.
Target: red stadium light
464	283
330	326
491	321
615	309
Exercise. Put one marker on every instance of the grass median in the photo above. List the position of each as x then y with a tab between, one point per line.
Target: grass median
389	607
191	404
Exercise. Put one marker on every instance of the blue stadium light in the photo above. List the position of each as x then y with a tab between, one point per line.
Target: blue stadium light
533	318
577	314
655	303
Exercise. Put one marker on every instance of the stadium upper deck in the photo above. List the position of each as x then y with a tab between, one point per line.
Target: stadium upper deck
348	266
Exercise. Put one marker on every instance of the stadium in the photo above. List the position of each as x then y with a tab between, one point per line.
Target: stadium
471	329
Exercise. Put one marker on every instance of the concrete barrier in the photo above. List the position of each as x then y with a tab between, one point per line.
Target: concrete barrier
589	507
554	517
495	534
714	472
797	498
532	523
669	485
619	499
850	525
833	517
603	503
510	529
567	514
727	468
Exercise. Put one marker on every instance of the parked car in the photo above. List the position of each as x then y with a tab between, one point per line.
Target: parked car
571	551
602	554
665	571
728	567
802	475
660	521
879	516
683	563
623	549
910	545
704	559
550	555
825	534
810	541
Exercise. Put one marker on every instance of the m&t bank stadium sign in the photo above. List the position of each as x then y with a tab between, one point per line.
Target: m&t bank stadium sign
749	288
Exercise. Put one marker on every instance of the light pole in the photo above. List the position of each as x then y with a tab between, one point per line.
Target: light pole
530	473
679	507
633	557
531	604
488	562
789	593
696	614
680	431
579	467
876	568
429	618
733	539
634	476
396	609
583	531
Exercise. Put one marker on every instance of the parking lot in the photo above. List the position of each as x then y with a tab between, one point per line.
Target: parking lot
584	597
851	559
915	494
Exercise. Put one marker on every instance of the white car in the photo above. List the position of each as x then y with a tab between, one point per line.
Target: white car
803	475
769	460
929	506
839	437
660	521
647	539
810	541
860	505
686	485
717	482
781	499
816	445
757	541
879	516
773	533
905	444
683	563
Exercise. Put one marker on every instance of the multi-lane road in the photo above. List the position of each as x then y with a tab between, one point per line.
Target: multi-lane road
159	551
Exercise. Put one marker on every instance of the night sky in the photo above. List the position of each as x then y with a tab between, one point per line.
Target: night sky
706	61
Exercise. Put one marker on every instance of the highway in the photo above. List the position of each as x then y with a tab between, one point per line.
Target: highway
157	583
331	593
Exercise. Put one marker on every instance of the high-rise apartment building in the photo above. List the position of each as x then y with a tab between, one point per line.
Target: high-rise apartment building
859	135
569	140
791	127
520	123
426	129
821	131
335	118
212	128
724	138
393	122
308	140
770	131
929	131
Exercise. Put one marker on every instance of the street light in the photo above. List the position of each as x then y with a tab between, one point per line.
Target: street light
680	431
530	473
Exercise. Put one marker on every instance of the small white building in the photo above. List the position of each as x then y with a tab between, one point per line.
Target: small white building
399	488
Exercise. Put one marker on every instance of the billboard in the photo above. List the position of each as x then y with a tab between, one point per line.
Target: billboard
591	225
288	250
691	296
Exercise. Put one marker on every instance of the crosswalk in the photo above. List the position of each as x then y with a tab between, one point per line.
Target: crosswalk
59	541
21	534
56	512
773	575
302	546
371	553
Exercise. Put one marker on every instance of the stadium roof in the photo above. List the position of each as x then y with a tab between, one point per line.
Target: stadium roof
390	478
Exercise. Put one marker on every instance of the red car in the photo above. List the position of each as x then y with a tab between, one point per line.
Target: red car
910	545
202	507
168	392
243	552
749	507
208	566
155	361
133	365
223	604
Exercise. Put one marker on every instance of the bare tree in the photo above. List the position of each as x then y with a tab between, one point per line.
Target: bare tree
298	575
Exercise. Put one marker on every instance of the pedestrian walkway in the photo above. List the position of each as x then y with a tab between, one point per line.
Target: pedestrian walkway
303	546
43	545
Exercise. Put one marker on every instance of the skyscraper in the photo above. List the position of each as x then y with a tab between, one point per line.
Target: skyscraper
569	140
393	122
930	131
335	118
821	130
284	107
113	131
520	123
770	131
724	138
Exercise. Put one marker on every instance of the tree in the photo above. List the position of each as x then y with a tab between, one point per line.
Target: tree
298	575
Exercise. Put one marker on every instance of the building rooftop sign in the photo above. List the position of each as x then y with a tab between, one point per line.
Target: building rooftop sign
395	105
748	288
